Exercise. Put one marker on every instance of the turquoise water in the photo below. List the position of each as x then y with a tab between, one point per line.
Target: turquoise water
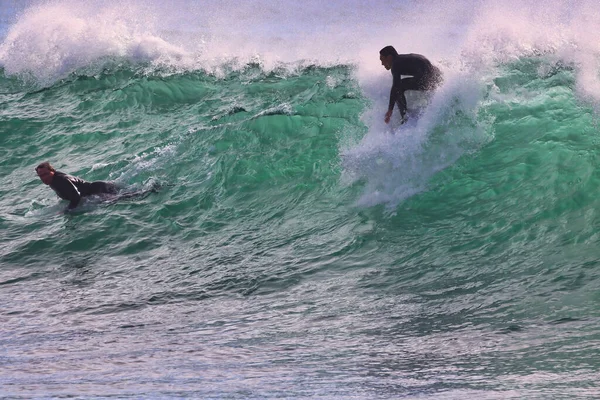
297	246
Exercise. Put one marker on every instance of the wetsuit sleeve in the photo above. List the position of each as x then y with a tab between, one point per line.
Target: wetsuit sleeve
74	195
67	190
393	97
75	199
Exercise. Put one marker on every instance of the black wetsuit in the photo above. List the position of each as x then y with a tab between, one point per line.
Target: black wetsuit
424	76
71	188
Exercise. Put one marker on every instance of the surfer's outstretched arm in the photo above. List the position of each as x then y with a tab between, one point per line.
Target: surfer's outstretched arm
390	110
396	97
397	91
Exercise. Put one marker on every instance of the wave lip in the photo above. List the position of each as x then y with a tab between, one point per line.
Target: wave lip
50	42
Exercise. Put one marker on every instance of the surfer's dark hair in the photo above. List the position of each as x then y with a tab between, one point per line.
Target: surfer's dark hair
45	165
388	51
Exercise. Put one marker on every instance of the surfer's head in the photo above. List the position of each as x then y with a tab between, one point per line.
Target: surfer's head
46	172
387	55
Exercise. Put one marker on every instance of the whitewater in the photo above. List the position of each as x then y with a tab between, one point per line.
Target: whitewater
290	244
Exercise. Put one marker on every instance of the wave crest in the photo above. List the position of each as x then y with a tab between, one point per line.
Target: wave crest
49	42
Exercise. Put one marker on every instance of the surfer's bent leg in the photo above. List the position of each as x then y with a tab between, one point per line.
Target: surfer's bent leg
407	84
419	83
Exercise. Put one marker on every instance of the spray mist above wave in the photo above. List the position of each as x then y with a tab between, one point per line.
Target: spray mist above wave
561	32
50	41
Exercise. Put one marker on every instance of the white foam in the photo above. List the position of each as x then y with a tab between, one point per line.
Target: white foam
52	40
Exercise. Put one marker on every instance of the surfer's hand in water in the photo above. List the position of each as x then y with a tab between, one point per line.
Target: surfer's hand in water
388	115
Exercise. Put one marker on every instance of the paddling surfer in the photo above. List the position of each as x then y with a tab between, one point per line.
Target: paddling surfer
71	188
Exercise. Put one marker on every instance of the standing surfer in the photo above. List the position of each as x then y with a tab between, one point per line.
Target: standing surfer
423	76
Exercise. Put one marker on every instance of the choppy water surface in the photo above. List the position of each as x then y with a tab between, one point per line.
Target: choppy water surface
298	247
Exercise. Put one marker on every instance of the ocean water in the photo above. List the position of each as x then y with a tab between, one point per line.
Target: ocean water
289	243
